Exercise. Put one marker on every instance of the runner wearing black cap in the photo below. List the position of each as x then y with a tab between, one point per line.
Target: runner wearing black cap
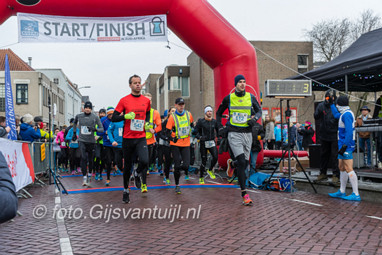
178	128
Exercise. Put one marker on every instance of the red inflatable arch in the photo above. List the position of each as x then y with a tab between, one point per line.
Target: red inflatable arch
196	22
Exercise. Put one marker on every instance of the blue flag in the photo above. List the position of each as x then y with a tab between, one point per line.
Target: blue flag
9	107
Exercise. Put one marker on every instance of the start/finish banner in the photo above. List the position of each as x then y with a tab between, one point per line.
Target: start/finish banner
45	28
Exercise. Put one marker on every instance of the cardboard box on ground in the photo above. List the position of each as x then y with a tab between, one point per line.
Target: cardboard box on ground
294	166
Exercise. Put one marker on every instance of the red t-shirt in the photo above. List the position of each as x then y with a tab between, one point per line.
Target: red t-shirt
139	105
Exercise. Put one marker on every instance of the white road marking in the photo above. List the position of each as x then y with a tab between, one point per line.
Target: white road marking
374	217
305	202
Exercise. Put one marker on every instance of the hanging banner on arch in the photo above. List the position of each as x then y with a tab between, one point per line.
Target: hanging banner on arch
45	28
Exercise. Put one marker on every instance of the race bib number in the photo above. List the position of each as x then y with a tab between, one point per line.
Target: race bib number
120	131
137	125
63	144
239	117
210	144
184	131
85	130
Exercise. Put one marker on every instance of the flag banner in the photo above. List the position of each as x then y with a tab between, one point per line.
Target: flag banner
45	28
19	162
9	106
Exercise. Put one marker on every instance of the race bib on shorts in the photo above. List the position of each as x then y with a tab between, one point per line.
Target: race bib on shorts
210	144
184	131
137	125
63	144
239	117
85	130
120	131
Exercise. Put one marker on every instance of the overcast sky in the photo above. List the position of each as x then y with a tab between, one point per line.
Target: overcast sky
106	67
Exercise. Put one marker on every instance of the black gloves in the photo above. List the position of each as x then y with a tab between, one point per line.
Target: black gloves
99	139
334	97
74	138
251	122
342	150
92	129
174	139
223	132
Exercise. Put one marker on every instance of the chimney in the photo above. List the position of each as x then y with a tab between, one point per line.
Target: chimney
30	61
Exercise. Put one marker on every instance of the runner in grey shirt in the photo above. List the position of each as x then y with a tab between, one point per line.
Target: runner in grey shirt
88	123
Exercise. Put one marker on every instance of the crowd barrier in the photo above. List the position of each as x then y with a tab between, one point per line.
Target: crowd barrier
26	161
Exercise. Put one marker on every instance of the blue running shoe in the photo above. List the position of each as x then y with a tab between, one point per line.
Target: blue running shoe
186	177
338	194
96	177
119	171
114	174
100	177
352	197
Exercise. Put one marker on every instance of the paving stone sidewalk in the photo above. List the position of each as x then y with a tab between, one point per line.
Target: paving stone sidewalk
277	223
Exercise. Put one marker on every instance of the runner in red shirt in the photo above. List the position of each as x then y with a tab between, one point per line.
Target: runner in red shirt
135	110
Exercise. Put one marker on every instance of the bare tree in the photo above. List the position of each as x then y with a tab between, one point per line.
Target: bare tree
329	38
367	22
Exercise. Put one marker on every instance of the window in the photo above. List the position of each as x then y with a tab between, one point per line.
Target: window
2	97
302	63
161	90
175	83
185	86
21	93
56	80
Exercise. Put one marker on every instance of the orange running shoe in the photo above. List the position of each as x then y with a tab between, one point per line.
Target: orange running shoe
230	169
247	200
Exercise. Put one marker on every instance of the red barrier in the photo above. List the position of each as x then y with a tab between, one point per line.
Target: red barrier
278	154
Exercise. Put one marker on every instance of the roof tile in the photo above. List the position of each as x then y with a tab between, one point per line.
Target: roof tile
15	62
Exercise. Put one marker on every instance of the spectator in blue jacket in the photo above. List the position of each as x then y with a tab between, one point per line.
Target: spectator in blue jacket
8	197
27	131
278	137
115	132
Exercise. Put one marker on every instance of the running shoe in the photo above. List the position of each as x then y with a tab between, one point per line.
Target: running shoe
96	177
352	197
338	194
164	180
73	172
247	200
201	180
100	177
114	173
119	171
211	174
148	172
229	168
160	173
137	182
126	197
107	183
186	177
177	189
78	170
144	188
84	182
89	178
